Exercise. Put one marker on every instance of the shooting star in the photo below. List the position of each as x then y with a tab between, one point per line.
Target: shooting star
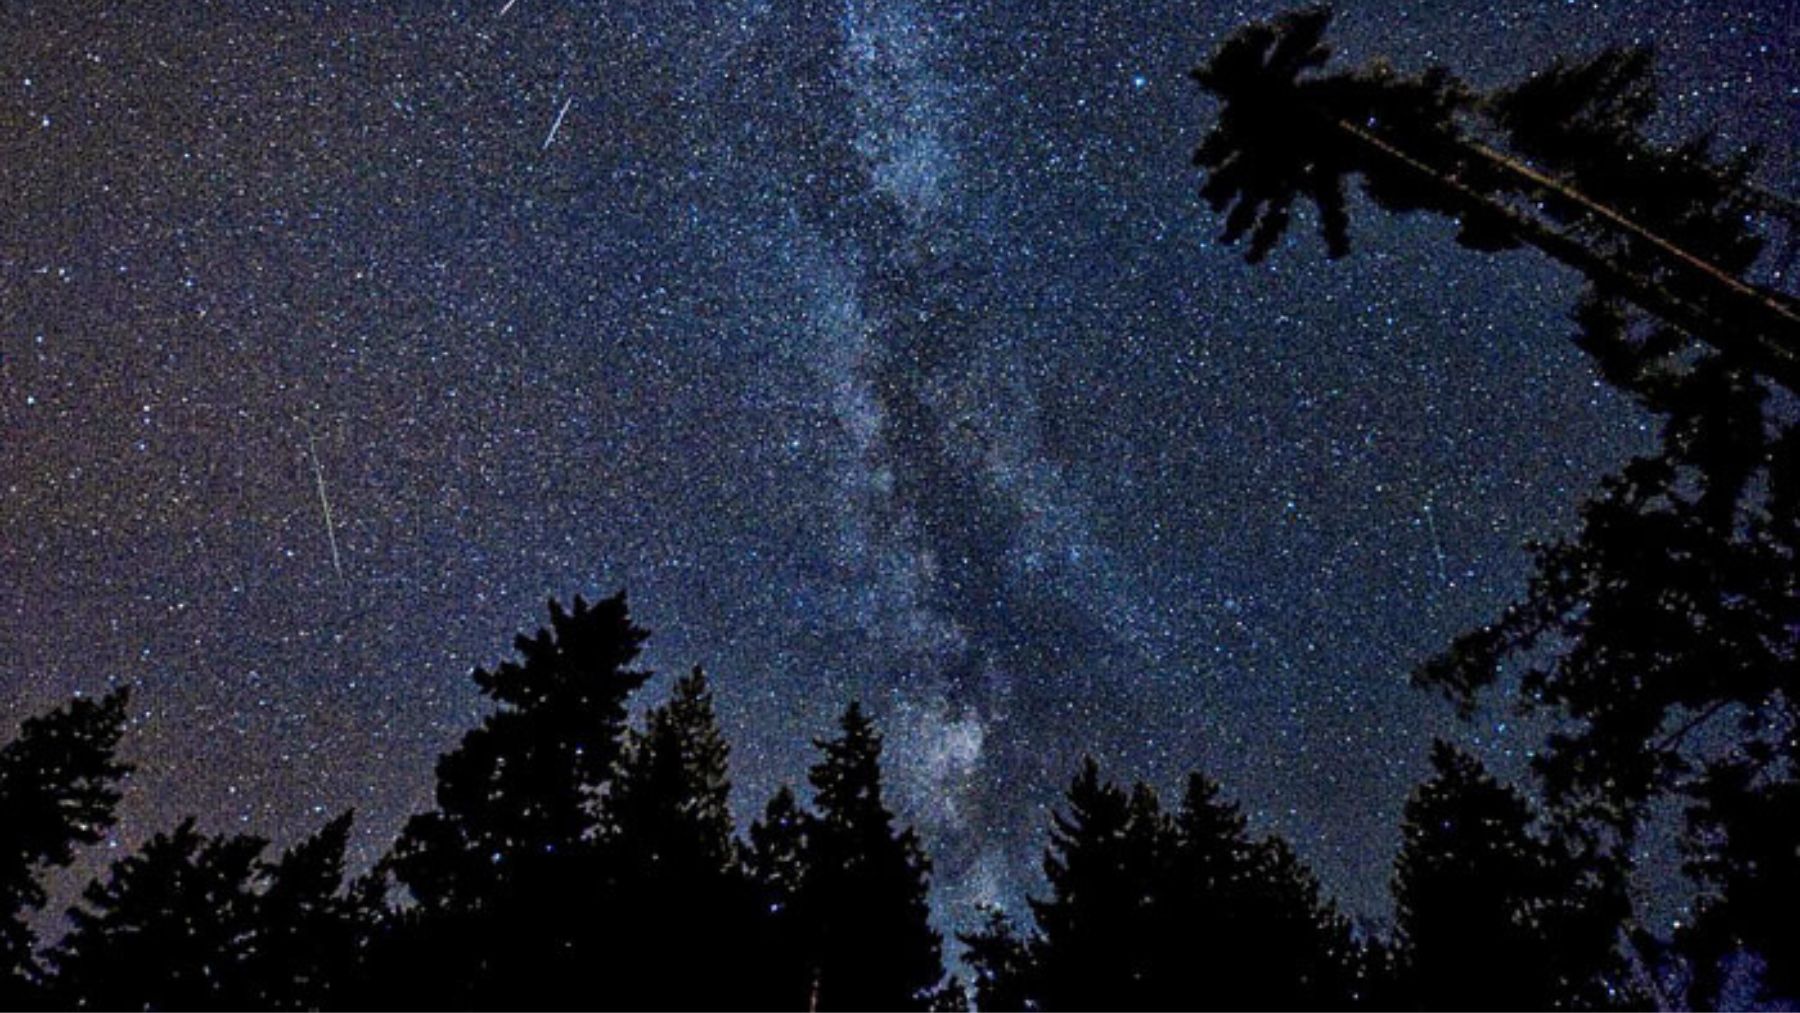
312	447
507	7
1437	545
554	127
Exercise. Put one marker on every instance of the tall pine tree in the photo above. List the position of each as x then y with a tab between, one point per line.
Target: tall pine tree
307	927
59	786
1095	928
776	862
867	925
170	927
195	921
1243	923
1491	914
504	882
683	899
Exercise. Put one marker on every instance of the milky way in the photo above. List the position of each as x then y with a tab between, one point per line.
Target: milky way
880	350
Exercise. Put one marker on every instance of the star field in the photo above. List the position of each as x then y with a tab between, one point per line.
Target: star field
879	350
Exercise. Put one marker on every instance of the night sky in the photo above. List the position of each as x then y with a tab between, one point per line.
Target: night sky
879	349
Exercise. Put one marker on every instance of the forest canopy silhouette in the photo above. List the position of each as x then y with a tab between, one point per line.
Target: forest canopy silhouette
576	855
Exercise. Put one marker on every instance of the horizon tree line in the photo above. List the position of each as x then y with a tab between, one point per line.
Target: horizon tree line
575	858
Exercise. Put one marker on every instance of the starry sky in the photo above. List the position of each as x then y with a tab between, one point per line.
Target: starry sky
880	348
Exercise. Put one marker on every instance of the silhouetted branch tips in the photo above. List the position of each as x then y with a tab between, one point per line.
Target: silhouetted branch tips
1663	229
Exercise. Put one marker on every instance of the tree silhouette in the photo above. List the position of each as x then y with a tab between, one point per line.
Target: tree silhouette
682	892
1247	922
865	921
1284	130
1094	944
1745	849
503	876
1004	964
1149	912
670	805
1491	915
170	927
59	785
307	928
193	921
776	862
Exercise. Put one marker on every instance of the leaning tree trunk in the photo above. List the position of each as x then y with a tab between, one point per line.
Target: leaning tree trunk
1770	346
1778	317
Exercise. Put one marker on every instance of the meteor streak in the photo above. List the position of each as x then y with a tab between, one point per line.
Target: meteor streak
554	127
312	447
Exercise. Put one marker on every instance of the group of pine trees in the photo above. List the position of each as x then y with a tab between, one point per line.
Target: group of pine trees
572	860
576	858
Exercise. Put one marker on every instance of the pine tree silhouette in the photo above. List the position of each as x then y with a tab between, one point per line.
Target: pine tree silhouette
1148	912
1004	964
670	807
1491	915
682	892
170	927
504	878
1286	130
866	923
1096	926
1249	925
1745	849
59	786
307	928
776	861
194	921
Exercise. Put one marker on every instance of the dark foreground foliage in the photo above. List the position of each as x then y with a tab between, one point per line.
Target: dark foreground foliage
626	885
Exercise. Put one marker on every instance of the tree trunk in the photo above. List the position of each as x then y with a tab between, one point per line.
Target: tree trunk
1762	350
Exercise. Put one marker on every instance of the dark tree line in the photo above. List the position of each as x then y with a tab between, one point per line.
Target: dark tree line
572	860
576	858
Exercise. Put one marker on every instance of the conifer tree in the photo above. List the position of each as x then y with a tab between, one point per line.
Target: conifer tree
683	896
776	863
195	921
170	927
1244	923
778	848
503	877
1204	950
1304	953
867	924
307	928
1095	927
59	786
1004	964
1745	850
1149	912
670	806
1491	915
